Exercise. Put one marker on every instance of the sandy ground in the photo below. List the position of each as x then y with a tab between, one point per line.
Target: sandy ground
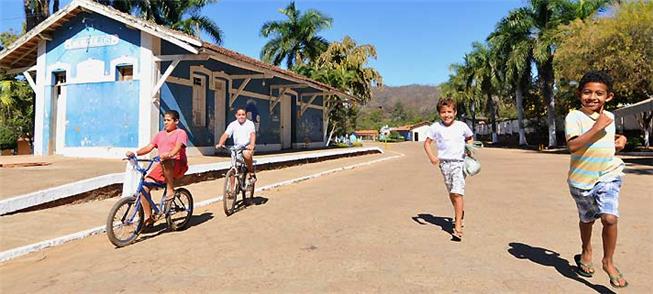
382	228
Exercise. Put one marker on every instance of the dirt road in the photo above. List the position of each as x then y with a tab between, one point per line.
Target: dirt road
381	228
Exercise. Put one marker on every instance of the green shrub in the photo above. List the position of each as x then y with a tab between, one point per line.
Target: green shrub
8	138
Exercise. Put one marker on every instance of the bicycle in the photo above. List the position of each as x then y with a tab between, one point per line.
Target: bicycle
236	182
125	220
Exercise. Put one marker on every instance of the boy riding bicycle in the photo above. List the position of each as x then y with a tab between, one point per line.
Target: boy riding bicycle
171	144
243	132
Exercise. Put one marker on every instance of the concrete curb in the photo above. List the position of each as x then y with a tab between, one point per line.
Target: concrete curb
55	193
23	250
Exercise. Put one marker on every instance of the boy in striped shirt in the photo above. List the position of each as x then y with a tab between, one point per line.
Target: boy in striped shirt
595	172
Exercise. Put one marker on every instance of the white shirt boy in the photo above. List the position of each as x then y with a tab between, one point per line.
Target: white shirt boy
240	132
450	140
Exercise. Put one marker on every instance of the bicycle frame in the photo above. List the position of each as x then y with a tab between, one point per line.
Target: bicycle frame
240	165
142	183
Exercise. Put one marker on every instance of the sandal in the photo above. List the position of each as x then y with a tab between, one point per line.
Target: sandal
457	235
584	269
614	280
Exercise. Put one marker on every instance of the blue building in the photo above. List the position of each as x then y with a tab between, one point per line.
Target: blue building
104	78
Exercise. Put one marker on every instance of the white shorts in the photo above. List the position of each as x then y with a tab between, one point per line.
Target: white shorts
454	178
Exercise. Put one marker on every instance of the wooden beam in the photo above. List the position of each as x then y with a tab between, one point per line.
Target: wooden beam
306	105
233	97
289	86
273	103
181	57
163	78
252	76
16	71
30	80
23	55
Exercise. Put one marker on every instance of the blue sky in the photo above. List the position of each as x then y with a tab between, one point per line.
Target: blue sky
416	41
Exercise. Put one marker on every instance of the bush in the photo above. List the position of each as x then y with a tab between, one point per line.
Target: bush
8	138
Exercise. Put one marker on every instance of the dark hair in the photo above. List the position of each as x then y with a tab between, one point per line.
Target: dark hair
596	77
173	113
240	108
446	102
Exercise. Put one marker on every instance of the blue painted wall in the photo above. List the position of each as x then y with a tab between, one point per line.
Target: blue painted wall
91	24
109	119
98	113
310	126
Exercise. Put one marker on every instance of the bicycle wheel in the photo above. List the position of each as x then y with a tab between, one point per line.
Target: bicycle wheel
180	211
124	223
248	194
231	190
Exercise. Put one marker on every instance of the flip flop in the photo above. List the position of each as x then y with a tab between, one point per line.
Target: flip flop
457	235
614	280
582	266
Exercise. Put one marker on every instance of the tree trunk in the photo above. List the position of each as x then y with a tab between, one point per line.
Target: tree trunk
645	121
473	109
36	11
55	6
519	95
333	129
493	117
546	77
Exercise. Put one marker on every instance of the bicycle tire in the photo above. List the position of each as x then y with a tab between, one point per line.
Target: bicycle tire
111	226
230	195
182	202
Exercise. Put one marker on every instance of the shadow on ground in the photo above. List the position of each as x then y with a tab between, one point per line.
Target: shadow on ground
161	227
546	257
445	223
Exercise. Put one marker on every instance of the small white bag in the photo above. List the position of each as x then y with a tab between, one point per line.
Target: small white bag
130	180
471	165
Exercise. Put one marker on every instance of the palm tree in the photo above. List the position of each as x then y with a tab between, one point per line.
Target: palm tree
178	15
295	39
542	18
514	55
460	87
483	76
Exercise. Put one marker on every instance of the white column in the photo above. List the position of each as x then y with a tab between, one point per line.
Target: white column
148	122
39	111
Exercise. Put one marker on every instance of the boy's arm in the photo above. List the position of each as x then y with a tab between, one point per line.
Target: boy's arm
252	141
576	143
433	157
145	150
619	142
223	139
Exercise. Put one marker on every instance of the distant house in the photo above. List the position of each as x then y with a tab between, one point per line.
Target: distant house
103	79
416	132
371	135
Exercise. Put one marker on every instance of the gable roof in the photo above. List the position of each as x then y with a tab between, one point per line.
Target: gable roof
23	52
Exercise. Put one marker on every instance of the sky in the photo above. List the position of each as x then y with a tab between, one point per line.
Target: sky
416	40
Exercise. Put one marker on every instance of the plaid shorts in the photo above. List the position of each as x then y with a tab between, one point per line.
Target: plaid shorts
603	198
454	178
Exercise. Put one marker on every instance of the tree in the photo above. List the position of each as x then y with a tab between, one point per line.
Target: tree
178	15
460	87
16	102
622	45
343	65
543	18
295	39
513	54
483	75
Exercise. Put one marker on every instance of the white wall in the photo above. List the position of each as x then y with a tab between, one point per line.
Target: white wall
421	133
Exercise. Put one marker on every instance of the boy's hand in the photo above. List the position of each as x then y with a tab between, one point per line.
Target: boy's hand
435	161
129	154
165	156
620	142
250	147
219	146
602	122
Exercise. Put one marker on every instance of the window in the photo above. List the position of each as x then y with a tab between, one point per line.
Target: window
59	79
125	72
199	101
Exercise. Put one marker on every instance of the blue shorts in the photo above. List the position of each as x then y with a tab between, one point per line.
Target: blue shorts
603	198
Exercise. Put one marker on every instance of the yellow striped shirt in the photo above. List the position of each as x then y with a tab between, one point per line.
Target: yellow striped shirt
595	161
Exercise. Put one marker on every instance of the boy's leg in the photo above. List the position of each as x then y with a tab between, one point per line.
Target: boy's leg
586	239
147	210
248	156
169	174
607	198
458	206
